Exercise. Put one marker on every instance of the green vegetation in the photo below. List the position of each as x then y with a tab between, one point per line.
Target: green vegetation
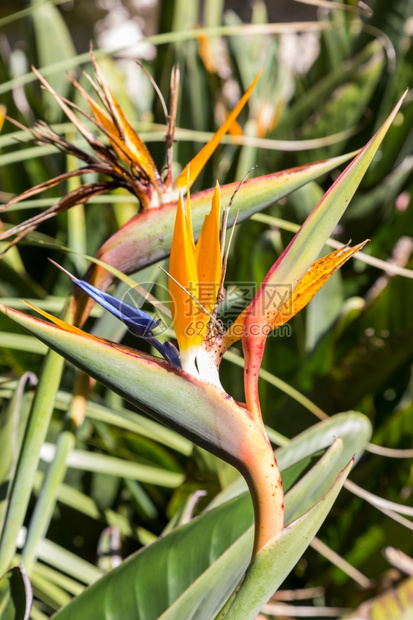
88	477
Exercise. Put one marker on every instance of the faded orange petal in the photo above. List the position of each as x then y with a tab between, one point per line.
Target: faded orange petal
204	50
134	146
103	118
262	317
2	115
314	279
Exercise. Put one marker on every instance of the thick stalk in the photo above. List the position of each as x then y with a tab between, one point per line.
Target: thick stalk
263	477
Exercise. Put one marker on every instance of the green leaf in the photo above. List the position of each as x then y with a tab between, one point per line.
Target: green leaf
352	427
34	436
207	555
196	601
174	577
16	595
102	463
272	564
310	239
200	411
12	425
298	257
54	44
146	584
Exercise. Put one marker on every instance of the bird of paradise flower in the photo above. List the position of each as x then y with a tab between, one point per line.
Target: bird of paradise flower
201	351
184	390
125	161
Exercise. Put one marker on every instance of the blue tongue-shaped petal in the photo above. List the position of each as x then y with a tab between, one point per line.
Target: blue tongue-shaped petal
138	321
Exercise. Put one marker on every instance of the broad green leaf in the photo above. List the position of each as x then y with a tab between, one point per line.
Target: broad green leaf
190	572
353	428
146	584
206	595
16	595
221	577
200	411
318	480
273	563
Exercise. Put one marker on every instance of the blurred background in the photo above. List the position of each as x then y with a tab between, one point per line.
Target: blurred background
332	73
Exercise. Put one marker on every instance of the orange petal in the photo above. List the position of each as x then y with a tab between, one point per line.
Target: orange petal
133	145
207	57
208	256
62	324
2	115
267	312
182	267
188	219
200	159
235	129
314	279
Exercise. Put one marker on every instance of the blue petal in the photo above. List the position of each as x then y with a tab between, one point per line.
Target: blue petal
138	321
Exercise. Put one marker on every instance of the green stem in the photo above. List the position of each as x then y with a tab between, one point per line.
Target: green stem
35	434
46	502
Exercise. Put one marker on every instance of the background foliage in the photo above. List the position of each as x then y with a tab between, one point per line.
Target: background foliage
326	87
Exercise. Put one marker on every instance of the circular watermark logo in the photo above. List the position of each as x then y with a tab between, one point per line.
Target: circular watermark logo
153	299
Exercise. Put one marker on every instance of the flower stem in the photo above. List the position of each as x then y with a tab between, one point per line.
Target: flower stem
264	481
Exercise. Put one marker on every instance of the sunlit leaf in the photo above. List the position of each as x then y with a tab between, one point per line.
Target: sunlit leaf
296	259
16	594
